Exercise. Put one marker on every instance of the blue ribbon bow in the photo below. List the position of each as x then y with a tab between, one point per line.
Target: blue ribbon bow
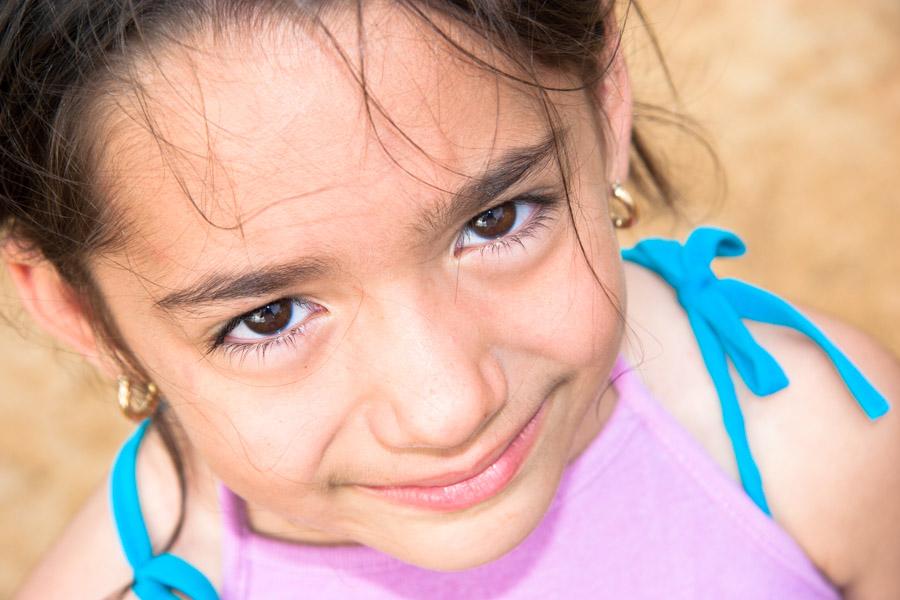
715	308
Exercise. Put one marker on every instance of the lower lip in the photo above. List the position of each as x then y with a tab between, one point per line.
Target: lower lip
476	489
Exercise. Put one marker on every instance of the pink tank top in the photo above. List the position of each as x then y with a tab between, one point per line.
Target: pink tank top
643	512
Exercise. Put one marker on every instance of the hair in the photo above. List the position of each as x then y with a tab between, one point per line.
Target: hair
58	58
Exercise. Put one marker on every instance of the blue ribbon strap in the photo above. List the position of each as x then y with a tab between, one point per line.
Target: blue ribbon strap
715	308
155	576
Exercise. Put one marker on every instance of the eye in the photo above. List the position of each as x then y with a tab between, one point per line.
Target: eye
495	222
505	224
266	322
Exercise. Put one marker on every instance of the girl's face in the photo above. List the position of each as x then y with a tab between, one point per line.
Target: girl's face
331	309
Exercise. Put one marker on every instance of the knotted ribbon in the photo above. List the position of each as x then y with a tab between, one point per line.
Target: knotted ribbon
715	308
154	576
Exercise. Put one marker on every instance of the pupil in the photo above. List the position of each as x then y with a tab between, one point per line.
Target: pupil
495	222
271	318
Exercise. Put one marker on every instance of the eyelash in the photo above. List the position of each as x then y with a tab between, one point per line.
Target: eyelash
238	351
544	206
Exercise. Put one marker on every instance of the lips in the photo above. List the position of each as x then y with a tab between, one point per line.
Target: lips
460	489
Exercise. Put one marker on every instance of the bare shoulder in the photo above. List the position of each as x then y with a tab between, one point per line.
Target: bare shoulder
832	476
87	561
660	343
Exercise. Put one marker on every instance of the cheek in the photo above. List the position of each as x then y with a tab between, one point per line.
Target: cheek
559	310
259	438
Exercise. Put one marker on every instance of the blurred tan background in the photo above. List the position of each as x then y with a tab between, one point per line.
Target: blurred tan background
802	103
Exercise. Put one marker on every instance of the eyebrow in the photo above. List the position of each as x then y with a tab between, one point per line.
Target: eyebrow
261	281
481	191
474	197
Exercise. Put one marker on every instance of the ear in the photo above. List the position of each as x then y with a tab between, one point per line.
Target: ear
53	304
613	93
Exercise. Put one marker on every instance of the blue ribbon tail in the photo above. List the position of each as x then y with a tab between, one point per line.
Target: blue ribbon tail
714	356
759	369
759	305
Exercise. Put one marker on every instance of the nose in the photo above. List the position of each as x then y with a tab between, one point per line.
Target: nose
430	379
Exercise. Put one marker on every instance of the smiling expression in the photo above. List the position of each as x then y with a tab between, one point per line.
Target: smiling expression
333	309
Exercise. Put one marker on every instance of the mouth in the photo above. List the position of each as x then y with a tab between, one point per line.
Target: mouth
456	491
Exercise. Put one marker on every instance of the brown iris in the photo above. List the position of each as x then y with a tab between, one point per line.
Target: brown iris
271	318
495	222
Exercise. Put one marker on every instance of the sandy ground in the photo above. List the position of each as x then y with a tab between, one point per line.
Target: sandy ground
802	102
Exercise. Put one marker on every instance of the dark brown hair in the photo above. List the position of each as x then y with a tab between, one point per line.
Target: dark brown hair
57	57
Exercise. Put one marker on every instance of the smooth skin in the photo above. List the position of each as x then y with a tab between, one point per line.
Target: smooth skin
420	355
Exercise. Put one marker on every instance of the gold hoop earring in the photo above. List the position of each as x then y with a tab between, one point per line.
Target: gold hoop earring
631	212
137	406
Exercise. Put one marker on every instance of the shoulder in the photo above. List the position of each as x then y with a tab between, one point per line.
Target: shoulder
833	472
831	475
87	561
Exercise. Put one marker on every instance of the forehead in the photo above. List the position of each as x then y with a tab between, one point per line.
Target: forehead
250	136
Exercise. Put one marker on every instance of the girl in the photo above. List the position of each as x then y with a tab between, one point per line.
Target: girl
355	270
